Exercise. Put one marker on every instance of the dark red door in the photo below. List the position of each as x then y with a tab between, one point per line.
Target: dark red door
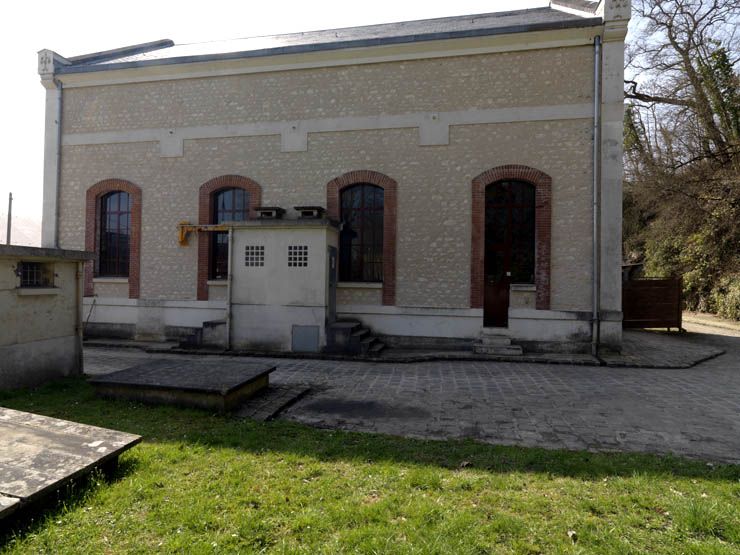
509	249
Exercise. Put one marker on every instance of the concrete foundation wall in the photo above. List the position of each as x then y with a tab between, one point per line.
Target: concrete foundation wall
36	362
269	327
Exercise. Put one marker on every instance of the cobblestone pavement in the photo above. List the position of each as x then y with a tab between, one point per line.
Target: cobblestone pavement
693	412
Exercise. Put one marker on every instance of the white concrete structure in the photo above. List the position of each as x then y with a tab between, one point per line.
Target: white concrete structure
280	284
41	304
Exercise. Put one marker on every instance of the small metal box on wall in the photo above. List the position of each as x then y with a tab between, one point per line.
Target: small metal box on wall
280	291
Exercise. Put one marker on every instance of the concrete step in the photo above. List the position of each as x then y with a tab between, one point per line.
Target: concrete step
493	331
360	334
376	348
508	350
345	325
495	340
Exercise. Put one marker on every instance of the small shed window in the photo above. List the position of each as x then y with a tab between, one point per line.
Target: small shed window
36	274
297	256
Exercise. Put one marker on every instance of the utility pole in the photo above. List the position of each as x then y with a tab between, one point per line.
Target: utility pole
10	215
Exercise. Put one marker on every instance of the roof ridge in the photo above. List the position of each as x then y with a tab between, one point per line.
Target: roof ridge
121	52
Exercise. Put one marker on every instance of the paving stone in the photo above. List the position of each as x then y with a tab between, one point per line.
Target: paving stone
273	400
687	411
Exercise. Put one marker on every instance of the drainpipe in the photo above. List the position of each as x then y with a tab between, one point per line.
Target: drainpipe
228	289
595	325
59	160
79	273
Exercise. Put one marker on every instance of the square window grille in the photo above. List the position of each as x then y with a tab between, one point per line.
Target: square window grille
254	255
35	274
297	256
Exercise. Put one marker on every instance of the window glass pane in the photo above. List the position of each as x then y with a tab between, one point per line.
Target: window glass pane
229	205
362	233
379	198
113	249
510	231
111	202
497	193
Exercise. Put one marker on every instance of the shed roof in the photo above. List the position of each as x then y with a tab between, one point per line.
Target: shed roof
41	253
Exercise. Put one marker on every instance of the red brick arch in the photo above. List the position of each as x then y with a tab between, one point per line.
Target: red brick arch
543	221
390	214
92	219
205	210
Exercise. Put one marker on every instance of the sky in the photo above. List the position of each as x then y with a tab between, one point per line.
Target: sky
73	27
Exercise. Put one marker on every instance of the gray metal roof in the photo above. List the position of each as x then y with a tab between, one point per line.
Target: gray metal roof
165	52
36	253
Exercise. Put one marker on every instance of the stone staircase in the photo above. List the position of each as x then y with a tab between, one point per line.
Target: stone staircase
349	337
492	343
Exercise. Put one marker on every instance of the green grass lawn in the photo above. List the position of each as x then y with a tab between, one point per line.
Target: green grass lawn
203	483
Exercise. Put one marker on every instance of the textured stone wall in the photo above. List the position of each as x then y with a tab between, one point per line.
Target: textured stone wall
31	318
434	182
353	295
527	78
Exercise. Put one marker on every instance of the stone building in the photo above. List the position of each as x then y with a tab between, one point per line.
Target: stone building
474	165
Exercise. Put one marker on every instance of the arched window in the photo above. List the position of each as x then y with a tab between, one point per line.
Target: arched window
115	234
229	205
361	238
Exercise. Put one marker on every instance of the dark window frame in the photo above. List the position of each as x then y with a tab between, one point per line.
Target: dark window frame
34	274
224	209
114	238
361	239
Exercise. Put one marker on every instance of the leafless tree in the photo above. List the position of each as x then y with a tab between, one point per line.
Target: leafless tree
682	140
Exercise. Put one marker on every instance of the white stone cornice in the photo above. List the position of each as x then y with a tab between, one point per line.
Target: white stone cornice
433	127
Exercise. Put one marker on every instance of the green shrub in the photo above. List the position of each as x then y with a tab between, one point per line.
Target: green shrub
725	298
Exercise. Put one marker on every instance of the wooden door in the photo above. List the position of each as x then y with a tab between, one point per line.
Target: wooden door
509	246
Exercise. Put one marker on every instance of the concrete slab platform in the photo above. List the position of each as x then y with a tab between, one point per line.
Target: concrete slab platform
39	454
267	404
212	384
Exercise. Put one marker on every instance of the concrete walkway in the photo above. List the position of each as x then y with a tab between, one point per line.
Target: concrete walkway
656	349
690	412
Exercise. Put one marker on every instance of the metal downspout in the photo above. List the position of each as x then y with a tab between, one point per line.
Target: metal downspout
595	324
229	289
59	161
79	273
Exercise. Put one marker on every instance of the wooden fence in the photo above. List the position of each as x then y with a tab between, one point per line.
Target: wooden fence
652	303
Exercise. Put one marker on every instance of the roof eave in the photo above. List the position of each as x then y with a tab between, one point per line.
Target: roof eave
360	43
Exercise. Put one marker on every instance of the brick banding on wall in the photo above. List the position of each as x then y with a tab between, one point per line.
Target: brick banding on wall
390	214
92	231
205	214
543	233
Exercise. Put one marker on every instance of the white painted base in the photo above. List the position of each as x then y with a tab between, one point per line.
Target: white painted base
463	323
526	324
270	327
